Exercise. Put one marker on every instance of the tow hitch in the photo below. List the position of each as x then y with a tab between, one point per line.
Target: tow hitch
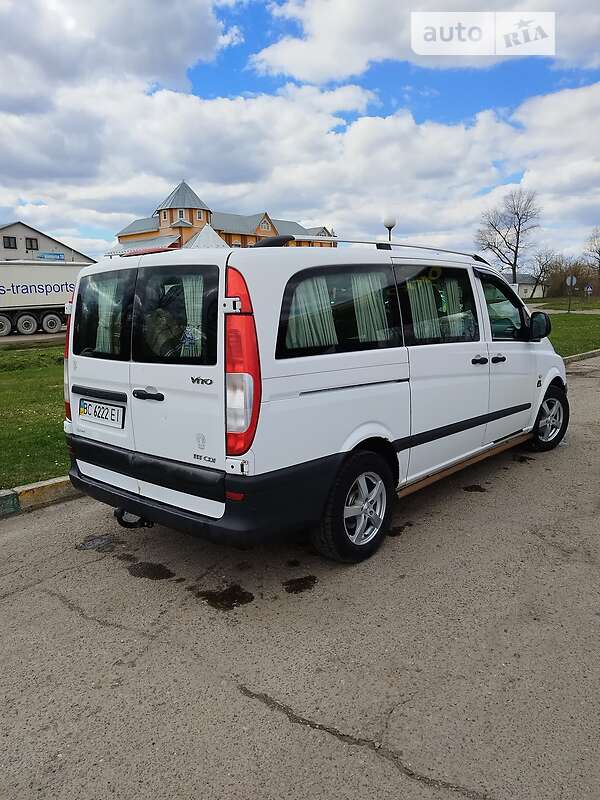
128	520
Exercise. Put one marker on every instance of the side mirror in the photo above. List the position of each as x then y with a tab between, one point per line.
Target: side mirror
539	326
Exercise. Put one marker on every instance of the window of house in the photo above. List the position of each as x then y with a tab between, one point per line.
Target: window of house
199	214
507	318
10	242
339	310
181	213
164	215
265	225
438	306
31	244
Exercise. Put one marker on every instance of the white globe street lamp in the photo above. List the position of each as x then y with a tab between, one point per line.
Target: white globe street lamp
390	222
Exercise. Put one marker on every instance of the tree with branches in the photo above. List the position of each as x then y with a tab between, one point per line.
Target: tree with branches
506	230
541	266
592	249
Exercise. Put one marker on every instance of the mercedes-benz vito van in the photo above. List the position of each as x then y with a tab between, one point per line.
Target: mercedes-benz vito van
249	391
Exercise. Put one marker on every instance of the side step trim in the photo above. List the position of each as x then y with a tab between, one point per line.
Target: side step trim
444	473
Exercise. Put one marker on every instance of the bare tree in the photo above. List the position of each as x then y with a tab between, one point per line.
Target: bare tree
592	249
542	264
506	230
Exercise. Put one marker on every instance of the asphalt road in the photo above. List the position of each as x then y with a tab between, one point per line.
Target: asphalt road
460	662
16	341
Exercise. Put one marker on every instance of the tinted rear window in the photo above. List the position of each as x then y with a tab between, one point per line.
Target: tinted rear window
102	327
175	315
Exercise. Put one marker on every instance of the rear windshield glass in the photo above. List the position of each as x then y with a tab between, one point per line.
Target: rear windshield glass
175	315
102	327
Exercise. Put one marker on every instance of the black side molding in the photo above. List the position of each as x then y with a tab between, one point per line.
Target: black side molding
456	427
99	394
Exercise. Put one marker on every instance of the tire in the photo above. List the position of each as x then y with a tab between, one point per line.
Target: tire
5	325
556	405
27	324
51	323
334	536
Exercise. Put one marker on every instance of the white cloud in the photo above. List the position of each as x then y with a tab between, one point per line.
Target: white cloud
105	151
340	38
50	43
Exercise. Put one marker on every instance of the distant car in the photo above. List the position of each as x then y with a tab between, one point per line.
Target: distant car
241	392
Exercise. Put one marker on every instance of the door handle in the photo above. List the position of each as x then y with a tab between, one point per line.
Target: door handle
498	359
479	360
142	394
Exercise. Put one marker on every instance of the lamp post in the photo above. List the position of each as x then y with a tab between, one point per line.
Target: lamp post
389	221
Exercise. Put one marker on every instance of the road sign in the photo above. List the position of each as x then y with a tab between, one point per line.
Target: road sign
571	280
589	288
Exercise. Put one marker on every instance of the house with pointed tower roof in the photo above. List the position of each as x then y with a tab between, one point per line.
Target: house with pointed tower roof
182	216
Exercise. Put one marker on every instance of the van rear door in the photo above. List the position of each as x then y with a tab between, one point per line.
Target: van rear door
99	373
178	384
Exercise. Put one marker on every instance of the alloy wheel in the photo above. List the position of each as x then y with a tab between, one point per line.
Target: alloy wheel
364	509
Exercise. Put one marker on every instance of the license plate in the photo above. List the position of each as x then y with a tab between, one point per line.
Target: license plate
101	413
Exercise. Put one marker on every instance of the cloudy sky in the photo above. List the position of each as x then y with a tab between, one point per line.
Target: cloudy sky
316	110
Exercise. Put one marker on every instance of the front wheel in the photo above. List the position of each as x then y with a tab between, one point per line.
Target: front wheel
552	420
358	511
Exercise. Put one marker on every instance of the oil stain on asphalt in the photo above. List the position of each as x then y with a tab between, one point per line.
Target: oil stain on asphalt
475	487
226	599
146	569
297	585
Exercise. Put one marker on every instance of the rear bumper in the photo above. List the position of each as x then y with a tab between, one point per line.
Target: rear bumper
275	502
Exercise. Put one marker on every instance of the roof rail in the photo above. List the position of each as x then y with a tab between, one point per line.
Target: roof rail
275	241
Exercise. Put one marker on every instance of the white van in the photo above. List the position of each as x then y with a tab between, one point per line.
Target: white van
243	392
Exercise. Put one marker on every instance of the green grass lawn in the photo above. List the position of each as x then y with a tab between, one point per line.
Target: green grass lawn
562	303
32	411
573	334
32	443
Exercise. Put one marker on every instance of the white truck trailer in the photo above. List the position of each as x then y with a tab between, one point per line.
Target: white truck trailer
33	295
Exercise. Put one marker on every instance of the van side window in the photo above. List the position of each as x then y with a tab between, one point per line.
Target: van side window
506	312
102	326
175	315
438	306
339	310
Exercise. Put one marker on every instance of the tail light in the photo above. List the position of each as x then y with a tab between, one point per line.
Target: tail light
68	314
242	369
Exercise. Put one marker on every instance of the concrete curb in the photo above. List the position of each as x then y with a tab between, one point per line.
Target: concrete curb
36	495
581	356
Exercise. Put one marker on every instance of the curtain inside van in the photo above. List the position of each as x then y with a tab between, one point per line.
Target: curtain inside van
109	315
456	321
193	293
426	323
367	289
311	318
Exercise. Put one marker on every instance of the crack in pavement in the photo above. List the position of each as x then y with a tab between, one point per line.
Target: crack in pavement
568	552
76	609
32	585
380	750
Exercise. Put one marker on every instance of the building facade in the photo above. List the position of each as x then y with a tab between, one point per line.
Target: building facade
182	216
21	242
